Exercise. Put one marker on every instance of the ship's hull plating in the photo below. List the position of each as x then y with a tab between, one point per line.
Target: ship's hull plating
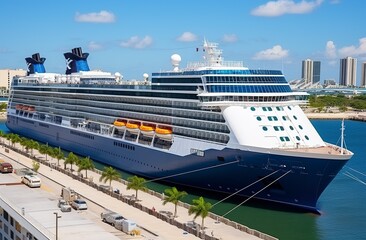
227	170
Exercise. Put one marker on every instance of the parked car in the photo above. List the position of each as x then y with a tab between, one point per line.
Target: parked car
6	167
79	204
63	205
31	180
111	217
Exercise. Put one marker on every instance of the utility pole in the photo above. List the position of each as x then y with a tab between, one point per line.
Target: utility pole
57	217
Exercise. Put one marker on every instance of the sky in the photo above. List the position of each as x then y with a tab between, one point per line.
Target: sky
139	36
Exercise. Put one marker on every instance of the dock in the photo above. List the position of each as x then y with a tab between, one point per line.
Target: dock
149	213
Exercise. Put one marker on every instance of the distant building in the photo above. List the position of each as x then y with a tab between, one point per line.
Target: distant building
347	71
329	82
363	74
6	76
311	71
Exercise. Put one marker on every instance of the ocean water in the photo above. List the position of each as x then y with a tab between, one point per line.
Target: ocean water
342	205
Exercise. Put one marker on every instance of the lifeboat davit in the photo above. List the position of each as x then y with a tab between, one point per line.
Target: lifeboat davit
164	132
120	123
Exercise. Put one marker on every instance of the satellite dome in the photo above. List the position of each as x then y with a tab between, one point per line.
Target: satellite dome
117	74
175	59
145	75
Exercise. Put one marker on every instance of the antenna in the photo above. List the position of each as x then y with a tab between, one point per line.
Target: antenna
342	136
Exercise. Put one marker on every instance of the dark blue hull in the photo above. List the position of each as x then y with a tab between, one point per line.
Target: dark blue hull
303	181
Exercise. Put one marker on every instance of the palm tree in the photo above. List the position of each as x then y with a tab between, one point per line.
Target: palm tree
200	208
109	174
85	164
2	135
33	145
136	183
24	142
44	149
173	196
71	159
58	154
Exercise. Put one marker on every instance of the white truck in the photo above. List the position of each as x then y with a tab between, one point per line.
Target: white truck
111	217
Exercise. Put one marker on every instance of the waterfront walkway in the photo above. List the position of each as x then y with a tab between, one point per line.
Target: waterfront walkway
161	227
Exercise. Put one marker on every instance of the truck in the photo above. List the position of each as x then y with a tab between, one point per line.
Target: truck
68	194
111	217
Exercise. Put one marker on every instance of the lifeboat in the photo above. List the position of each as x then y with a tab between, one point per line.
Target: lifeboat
133	126
147	129
19	107
164	132
120	123
24	107
31	109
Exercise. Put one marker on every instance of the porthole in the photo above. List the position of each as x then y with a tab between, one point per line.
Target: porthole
264	128
300	127
289	108
295	117
291	127
284	118
259	118
269	109
252	108
298	138
306	137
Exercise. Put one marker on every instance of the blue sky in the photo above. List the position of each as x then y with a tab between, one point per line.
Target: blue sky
134	37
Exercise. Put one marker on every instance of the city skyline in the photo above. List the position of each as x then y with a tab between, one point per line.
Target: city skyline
140	36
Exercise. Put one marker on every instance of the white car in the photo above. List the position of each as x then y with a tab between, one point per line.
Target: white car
79	204
64	206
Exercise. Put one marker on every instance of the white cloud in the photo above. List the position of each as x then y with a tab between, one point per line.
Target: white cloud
330	50
281	7
96	17
187	37
230	38
136	42
354	51
93	46
275	53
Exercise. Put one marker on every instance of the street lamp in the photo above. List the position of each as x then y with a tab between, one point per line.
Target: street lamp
57	217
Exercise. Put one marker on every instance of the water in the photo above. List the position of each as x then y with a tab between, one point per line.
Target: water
342	204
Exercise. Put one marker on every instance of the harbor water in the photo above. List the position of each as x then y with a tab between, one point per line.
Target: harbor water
342	205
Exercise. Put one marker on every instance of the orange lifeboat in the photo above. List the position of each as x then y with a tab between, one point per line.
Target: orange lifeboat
147	129
19	106
31	109
163	130
120	122
131	125
24	107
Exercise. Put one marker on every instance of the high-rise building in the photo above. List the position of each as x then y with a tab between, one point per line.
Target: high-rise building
310	71
363	74
6	76
347	71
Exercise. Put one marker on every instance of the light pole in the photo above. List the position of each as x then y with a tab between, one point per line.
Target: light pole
57	217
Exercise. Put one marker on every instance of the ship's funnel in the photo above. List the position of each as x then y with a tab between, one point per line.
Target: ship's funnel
76	61
35	64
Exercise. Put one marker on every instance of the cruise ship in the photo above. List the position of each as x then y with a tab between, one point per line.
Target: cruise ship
214	125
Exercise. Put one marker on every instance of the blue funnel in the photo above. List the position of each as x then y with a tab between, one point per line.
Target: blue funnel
35	64
76	61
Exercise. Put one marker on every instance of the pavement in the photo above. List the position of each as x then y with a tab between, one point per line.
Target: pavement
158	228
